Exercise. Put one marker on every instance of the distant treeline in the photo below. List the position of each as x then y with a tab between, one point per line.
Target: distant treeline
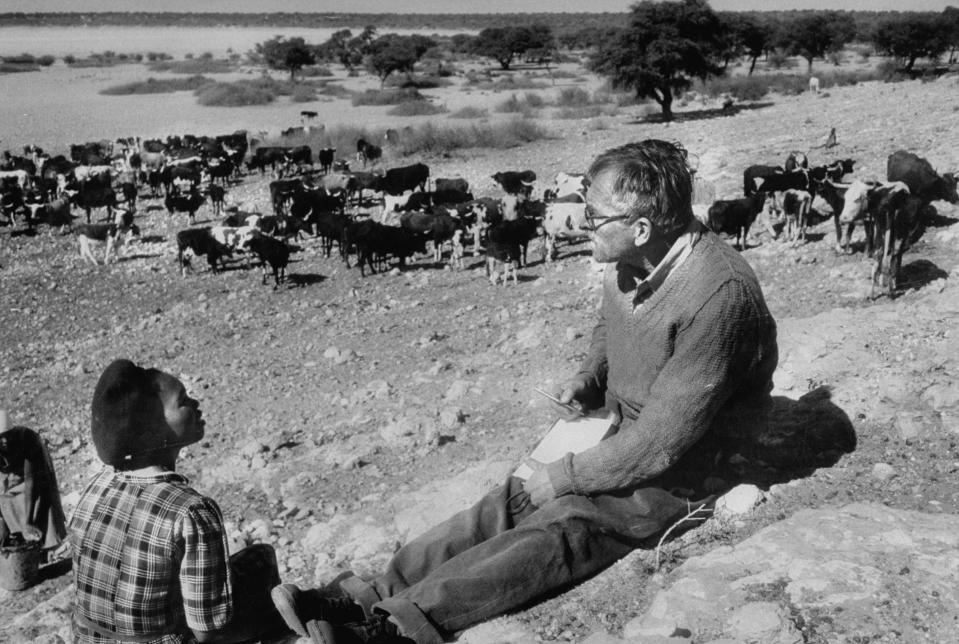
559	23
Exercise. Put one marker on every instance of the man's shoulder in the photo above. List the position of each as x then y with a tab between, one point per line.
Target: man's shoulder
720	262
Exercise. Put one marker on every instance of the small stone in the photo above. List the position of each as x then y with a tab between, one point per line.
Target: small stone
883	471
740	500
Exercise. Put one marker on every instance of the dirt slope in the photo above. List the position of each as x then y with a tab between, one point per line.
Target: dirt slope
305	389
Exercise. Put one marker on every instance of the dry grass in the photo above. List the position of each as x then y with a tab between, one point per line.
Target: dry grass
234	94
386	97
416	108
193	66
157	86
470	112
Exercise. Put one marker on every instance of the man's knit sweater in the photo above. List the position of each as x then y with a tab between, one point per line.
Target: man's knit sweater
697	353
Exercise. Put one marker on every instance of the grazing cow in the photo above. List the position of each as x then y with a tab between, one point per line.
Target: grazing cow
330	227
53	213
813	84
367	152
11	199
363	181
735	216
300	155
450	196
567	186
416	201
375	242
506	247
796	161
326	157
267	156
797	180
293	131
857	207
282	191
796	206
21	177
217	195
271	251
200	241
128	191
438	228
337	182
834	194
899	221
918	174
457	183
220	170
563	221
188	203
514	183
396	181
112	235
94	194
754	174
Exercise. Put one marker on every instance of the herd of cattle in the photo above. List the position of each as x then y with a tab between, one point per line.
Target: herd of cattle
378	214
894	213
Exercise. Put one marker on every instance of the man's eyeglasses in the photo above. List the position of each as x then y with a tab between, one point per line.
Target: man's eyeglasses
595	223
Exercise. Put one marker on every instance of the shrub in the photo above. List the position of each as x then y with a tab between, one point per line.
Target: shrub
504	83
234	94
69	59
416	108
534	100
888	70
511	104
387	97
195	66
470	112
46	61
779	60
157	86
13	68
303	94
583	112
432	139
313	71
21	59
157	55
418	81
562	73
334	89
572	97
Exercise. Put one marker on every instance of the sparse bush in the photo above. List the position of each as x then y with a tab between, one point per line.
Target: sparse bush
157	86
433	139
470	112
153	56
779	60
387	97
511	104
334	89
207	55
314	71
46	60
584	112
14	68
416	108
418	81
562	73
572	97
888	71
534	100
21	59
69	59
195	66
188	56
504	83
234	94
836	58
303	94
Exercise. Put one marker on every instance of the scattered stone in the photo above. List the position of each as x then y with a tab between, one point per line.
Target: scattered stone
739	500
883	471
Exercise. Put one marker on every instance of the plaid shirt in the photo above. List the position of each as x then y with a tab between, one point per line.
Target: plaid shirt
150	557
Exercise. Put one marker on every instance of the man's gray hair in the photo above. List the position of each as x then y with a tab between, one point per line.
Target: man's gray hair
649	179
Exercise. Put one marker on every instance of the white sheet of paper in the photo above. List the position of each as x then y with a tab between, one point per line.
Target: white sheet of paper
566	436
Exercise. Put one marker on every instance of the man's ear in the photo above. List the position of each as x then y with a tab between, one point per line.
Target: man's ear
642	231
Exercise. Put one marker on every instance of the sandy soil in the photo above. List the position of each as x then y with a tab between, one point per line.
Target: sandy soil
314	371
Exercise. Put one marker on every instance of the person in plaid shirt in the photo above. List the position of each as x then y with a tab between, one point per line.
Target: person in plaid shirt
150	555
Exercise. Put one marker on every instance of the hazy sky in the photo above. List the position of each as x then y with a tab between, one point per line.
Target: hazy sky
445	6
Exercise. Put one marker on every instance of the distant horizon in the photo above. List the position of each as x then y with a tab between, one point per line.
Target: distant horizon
438	6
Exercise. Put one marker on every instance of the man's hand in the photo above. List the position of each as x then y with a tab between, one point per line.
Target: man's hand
538	485
581	390
32	533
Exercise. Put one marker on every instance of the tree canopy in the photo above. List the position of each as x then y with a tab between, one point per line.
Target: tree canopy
393	53
909	38
817	34
290	54
665	45
503	43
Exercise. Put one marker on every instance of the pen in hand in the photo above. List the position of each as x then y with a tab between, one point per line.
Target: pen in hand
572	409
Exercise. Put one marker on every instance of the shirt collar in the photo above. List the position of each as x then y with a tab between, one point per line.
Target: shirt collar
676	255
168	476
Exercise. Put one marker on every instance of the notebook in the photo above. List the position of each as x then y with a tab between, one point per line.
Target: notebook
564	436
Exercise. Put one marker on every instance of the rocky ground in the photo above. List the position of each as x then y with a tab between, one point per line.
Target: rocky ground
346	414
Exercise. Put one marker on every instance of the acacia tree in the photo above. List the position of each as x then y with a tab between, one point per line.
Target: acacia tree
909	38
394	53
665	46
503	43
815	35
292	54
752	36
